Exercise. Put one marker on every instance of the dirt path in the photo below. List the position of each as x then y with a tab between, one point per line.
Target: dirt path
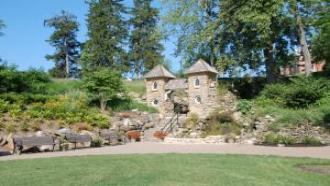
150	148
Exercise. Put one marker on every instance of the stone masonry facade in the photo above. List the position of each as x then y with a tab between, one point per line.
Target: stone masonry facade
200	87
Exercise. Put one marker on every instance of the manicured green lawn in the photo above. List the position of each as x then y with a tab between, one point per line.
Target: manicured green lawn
164	169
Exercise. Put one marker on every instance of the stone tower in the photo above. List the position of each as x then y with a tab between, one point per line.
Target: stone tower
155	81
202	88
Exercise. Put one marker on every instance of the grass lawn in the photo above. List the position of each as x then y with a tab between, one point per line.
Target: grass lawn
164	169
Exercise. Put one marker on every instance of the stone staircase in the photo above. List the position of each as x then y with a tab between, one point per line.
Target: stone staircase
168	124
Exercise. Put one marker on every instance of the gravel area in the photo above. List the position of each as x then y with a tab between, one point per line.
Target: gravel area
154	147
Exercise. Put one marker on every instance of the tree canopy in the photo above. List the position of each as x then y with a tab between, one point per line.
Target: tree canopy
107	33
64	40
144	42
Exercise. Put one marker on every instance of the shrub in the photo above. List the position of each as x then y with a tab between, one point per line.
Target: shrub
10	127
4	106
310	140
160	135
271	138
133	134
244	106
96	142
24	126
300	92
274	139
287	140
192	121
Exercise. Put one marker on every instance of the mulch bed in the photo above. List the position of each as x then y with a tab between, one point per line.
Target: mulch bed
319	169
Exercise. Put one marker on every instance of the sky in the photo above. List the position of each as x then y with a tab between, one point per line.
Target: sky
24	43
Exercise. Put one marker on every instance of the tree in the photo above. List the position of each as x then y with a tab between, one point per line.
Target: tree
145	46
2	25
257	33
64	40
107	32
321	43
194	24
104	84
304	12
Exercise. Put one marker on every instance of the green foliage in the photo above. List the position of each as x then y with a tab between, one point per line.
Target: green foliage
310	140
71	108
136	86
61	86
12	80
274	139
4	106
10	128
222	124
244	106
104	84
143	57
321	44
64	40
192	121
96	142
127	104
107	32
300	92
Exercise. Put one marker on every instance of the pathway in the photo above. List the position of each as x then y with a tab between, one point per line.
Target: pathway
151	147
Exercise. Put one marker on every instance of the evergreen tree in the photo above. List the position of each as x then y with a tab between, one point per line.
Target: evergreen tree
145	46
64	40
107	31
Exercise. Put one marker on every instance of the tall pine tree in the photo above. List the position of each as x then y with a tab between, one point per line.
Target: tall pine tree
145	40
107	32
64	40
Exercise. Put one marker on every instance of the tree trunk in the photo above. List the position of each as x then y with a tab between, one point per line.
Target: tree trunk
304	47
67	60
103	105
271	68
303	41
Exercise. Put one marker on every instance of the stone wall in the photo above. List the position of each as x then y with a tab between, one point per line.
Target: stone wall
156	94
206	90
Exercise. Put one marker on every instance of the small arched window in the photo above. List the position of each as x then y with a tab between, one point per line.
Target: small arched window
197	83
155	102
154	86
198	100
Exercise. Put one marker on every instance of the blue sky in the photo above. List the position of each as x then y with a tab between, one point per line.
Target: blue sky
24	41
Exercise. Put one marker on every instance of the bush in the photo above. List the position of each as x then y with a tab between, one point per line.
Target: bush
310	140
96	142
4	106
192	121
300	92
244	106
274	139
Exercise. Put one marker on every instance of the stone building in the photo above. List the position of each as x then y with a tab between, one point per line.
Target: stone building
200	87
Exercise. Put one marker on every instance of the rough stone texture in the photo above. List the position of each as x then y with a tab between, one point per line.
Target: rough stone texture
207	91
156	94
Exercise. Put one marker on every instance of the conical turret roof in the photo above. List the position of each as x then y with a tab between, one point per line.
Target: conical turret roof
201	66
159	72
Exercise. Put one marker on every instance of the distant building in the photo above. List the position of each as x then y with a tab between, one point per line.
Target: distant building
200	86
299	68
